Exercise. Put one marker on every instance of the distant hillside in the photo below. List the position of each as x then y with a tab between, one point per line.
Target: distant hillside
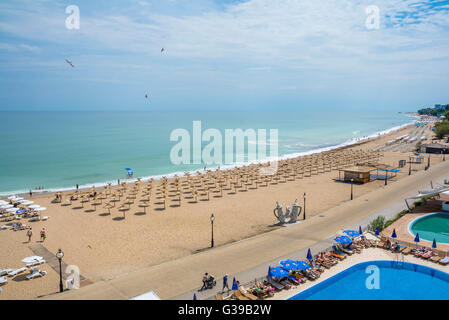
437	111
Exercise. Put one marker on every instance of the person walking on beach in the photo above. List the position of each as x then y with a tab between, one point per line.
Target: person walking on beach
77	187
31	193
225	282
43	235
29	234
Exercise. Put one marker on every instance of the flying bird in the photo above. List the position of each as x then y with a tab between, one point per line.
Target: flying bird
70	63
146	96
162	50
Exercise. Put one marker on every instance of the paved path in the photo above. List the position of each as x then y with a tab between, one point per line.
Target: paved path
179	278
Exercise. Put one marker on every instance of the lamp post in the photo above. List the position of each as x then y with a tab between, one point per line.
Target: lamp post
212	218
304	206
59	255
352	183
386	176
410	166
428	162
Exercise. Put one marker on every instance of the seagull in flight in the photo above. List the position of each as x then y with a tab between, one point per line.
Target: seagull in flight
146	96
162	50
70	63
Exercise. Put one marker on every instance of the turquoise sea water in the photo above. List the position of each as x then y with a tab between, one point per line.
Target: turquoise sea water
58	150
397	281
433	226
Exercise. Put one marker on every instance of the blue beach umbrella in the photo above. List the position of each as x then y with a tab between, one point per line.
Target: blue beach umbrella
351	233
194	296
270	275
377	232
417	238
434	244
279	272
302	265
234	285
343	240
288	264
309	255
394	235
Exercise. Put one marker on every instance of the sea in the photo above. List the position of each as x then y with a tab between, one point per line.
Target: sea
58	150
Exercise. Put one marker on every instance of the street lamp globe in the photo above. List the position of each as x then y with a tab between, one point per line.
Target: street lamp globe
212	218
59	254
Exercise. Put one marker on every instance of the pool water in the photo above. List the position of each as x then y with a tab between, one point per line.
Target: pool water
397	281
432	226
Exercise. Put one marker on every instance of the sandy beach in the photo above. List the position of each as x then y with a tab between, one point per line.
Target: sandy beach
106	246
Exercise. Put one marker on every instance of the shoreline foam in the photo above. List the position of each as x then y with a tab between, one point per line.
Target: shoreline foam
346	143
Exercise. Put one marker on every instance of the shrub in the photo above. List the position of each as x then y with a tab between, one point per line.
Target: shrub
379	222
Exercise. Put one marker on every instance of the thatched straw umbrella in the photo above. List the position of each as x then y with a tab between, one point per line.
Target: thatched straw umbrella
108	206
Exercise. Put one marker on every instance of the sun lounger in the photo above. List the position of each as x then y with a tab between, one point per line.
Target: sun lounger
5	271
337	255
16	272
3	281
247	294
436	258
239	295
45	218
344	250
275	284
36	274
35	263
406	250
444	261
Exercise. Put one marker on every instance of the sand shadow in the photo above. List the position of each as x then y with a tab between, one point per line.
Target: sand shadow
159	209
118	218
192	202
89	211
77	208
139	213
104	214
174	205
66	205
20	277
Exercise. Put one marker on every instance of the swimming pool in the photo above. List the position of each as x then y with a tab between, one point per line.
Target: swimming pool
435	225
397	281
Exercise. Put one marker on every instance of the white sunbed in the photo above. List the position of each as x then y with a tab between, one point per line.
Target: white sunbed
444	261
36	273
35	263
5	271
45	218
3	281
4	227
16	272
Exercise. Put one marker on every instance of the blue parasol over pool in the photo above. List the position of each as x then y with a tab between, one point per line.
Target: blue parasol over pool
351	233
302	265
309	255
394	235
417	238
278	272
288	265
343	239
434	244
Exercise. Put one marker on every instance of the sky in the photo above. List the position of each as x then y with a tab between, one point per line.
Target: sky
223	55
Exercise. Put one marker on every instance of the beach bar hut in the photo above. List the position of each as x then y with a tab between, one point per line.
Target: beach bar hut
359	174
437	148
